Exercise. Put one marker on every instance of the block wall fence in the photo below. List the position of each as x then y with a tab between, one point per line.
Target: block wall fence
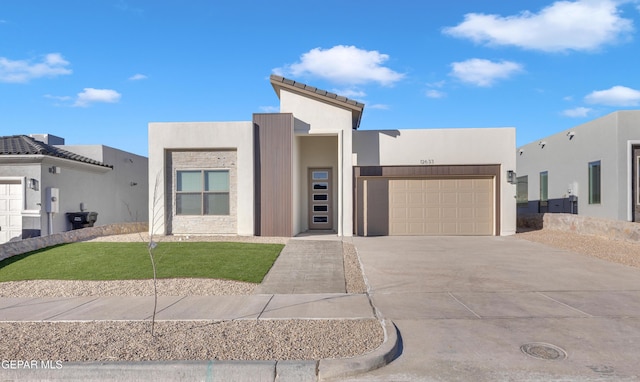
19	247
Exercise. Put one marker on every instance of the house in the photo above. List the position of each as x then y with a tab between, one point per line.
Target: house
309	168
591	170
41	180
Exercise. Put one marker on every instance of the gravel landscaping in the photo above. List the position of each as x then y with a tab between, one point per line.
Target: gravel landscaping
617	251
189	340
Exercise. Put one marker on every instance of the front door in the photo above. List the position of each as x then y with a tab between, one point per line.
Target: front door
320	199
10	211
636	183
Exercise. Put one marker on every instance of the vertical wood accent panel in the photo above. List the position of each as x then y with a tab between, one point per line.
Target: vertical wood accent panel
273	145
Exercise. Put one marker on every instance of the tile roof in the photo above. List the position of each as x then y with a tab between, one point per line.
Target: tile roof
316	90
25	145
355	106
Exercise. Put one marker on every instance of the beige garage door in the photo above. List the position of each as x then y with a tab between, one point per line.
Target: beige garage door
441	206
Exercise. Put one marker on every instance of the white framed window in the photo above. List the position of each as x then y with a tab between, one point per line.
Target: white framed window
594	182
202	192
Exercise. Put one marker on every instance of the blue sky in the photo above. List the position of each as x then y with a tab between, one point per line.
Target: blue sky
97	72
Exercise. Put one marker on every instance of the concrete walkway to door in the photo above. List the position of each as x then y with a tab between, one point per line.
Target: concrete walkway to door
467	308
307	265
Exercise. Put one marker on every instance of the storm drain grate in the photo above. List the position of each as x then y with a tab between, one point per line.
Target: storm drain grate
543	351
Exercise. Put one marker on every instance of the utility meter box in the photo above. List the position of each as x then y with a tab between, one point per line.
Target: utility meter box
52	202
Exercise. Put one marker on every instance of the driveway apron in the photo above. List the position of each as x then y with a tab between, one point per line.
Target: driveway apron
502	308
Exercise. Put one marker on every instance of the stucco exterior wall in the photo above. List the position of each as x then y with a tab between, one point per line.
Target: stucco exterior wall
124	189
236	136
567	154
313	117
424	147
106	191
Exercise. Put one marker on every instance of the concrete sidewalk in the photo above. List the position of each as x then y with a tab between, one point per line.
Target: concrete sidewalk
170	308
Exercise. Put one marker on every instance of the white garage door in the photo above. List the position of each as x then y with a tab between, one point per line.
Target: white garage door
10	211
441	206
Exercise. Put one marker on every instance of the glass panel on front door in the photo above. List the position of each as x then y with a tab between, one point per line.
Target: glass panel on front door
320	199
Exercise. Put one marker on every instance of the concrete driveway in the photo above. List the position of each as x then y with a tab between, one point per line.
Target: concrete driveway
466	307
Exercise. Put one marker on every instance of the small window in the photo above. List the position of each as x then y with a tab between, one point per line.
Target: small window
320	197
522	190
320	208
594	182
320	186
544	186
320	175
202	192
320	219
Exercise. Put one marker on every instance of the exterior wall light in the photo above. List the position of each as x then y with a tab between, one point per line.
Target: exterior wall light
571	134
33	184
542	144
511	177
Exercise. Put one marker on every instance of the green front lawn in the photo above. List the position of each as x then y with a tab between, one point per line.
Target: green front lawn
130	261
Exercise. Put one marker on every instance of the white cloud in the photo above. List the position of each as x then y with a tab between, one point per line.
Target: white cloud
342	64
22	71
432	93
270	109
138	77
577	112
91	95
482	72
581	25
350	93
615	96
378	106
58	98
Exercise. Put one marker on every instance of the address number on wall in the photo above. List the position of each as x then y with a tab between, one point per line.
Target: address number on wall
427	161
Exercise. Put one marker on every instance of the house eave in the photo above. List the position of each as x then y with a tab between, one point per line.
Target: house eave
40	159
356	108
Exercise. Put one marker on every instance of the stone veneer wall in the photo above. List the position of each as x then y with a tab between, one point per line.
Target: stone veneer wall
224	159
585	225
14	248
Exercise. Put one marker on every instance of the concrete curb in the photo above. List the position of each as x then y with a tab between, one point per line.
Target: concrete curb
383	355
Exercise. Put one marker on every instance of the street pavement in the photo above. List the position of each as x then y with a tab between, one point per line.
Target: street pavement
467	309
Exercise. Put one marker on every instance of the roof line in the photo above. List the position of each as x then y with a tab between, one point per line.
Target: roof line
355	106
25	145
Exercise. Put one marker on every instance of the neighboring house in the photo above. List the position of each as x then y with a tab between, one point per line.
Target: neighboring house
591	170
308	168
41	180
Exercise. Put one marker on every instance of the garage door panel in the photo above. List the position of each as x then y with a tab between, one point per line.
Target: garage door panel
416	198
441	206
399	213
417	213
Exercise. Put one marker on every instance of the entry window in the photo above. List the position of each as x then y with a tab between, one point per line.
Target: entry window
594	182
522	190
320	175
202	192
544	186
